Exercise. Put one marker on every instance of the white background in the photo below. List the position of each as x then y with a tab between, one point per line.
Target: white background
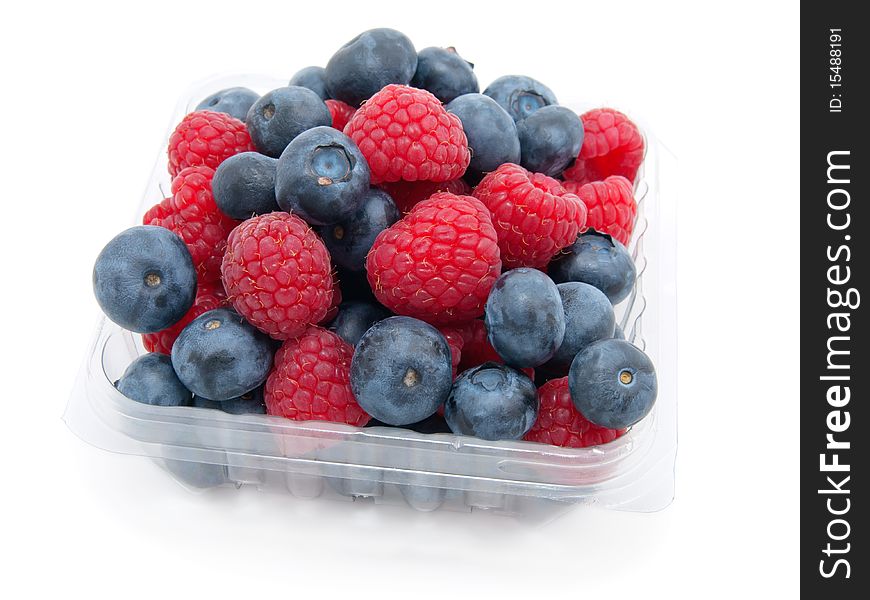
87	91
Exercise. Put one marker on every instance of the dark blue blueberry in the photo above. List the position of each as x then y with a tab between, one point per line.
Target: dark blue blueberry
525	322
368	62
400	372
613	383
599	260
350	240
355	318
550	140
519	95
322	177
355	286
588	317
251	403
244	185
279	116
492	133
492	402
150	379
197	474
220	356
444	73
144	279
313	78
234	101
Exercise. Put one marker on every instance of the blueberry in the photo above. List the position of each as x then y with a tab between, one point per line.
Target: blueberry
597	259
234	101
251	403
220	356
144	279
355	286
350	240
322	176
588	317
355	318
197	474
444	73
368	62
525	322
550	139
492	133
150	379
400	372
244	185
492	402
282	114
313	78
613	383
519	95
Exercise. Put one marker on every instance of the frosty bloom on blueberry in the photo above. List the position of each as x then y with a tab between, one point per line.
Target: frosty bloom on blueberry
378	243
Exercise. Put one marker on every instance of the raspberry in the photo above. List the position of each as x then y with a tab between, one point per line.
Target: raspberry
535	217
559	423
406	194
191	213
276	273
310	380
341	113
206	138
611	205
612	145
208	297
406	134
438	263
336	300
477	350
455	337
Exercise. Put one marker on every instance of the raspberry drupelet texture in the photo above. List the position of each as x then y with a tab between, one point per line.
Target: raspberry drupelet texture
336	300
611	206
406	134
534	216
438	263
208	297
191	213
206	138
612	145
476	348
341	113
276	273
406	194
310	380
559	423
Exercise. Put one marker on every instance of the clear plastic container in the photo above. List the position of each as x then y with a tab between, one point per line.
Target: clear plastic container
206	449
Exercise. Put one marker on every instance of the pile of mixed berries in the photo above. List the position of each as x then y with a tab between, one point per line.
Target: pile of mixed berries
378	243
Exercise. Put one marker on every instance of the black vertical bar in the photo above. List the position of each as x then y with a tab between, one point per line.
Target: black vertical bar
834	362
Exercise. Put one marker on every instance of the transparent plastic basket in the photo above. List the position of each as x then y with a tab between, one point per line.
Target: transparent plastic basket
207	449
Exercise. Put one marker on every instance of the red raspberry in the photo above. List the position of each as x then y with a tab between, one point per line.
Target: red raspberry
407	194
559	423
310	380
612	145
192	214
535	217
276	273
208	297
438	263
206	138
341	113
336	300
611	205
477	350
455	337
406	134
